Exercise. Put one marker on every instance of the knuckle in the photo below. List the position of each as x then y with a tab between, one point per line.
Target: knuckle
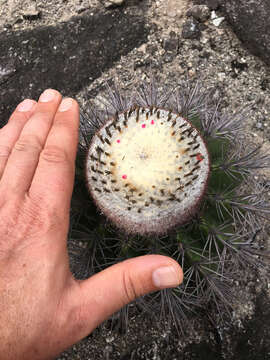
54	154
129	287
28	143
18	118
4	150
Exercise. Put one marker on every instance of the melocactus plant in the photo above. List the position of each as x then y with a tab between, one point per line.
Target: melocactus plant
169	173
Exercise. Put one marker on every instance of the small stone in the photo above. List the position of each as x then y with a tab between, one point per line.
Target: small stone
6	71
112	3
221	76
191	29
265	84
217	21
81	9
32	13
151	49
199	12
171	43
168	57
259	125
213	15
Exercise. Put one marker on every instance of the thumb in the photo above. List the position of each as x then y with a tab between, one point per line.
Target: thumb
106	292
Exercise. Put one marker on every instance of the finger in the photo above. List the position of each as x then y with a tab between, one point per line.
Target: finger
106	292
23	160
53	180
11	132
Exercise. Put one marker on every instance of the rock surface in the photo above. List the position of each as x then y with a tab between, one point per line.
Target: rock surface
199	12
66	56
78	55
250	21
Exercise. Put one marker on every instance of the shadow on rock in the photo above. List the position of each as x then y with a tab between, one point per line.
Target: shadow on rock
66	57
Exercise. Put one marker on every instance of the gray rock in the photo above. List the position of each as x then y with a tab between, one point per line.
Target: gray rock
217	21
191	29
64	62
252	15
6	72
199	12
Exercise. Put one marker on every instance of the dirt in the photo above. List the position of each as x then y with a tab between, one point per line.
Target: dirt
76	46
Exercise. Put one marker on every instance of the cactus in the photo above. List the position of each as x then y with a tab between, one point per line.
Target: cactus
169	173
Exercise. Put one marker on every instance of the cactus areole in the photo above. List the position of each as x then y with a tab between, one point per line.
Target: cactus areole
147	170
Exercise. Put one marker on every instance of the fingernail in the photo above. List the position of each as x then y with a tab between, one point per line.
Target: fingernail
66	104
166	277
26	105
48	95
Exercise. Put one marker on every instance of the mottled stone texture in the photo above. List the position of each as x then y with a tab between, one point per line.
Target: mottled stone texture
250	20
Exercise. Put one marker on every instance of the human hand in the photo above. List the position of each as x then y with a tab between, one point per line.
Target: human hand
43	309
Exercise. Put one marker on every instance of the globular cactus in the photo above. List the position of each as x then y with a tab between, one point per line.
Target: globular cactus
169	173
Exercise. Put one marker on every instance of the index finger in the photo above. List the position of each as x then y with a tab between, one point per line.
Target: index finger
53	180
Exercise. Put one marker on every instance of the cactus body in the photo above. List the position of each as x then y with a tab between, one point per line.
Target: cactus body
169	173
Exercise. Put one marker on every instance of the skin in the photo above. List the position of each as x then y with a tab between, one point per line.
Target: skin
43	309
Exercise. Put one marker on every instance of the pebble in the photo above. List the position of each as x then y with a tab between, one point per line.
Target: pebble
32	13
213	15
6	72
171	43
221	76
110	3
191	29
81	9
216	20
199	12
